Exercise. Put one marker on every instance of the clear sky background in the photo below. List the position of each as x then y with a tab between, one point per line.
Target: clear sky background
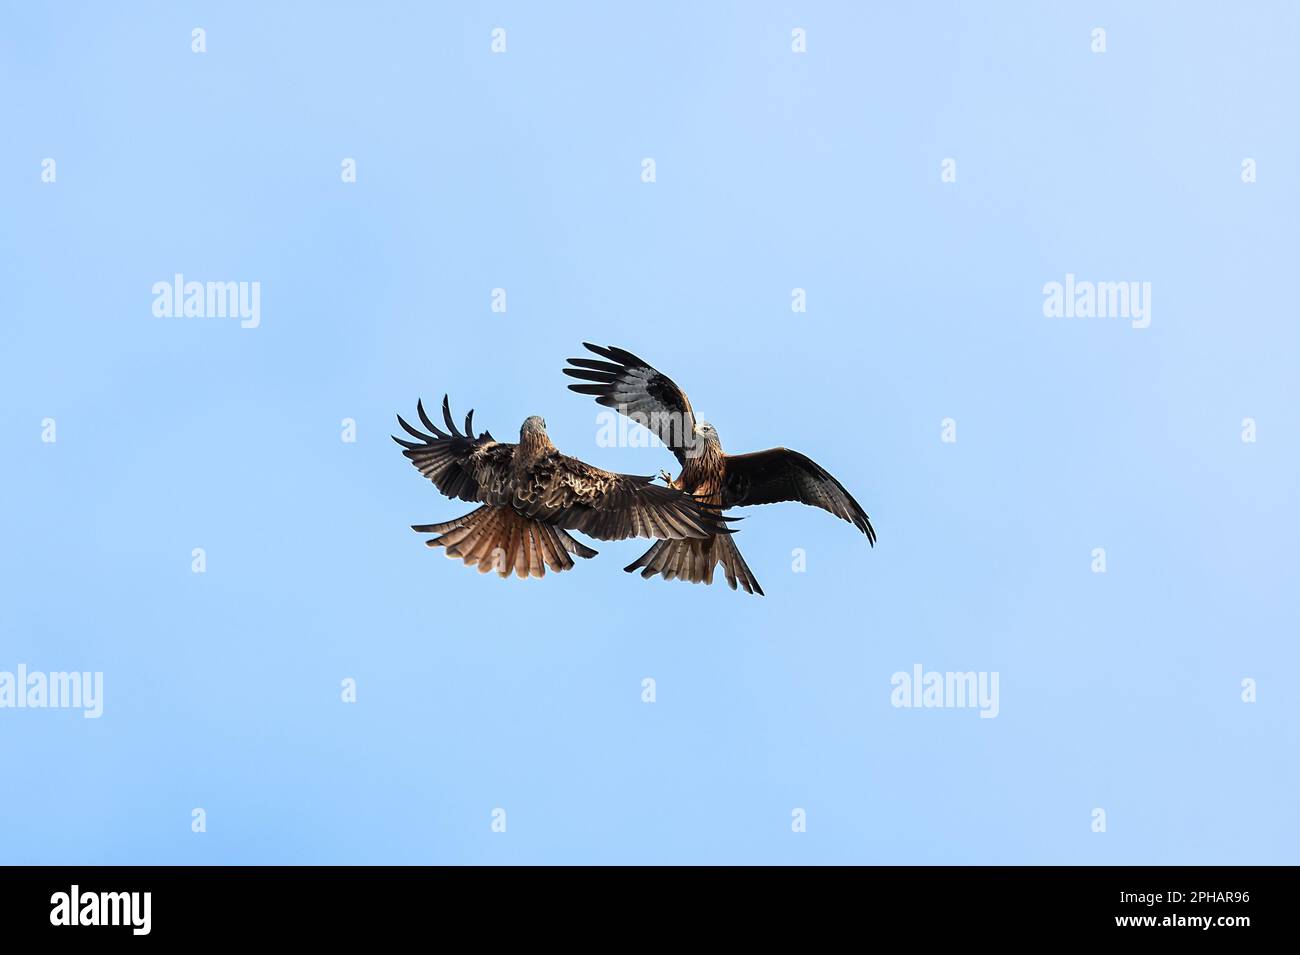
775	170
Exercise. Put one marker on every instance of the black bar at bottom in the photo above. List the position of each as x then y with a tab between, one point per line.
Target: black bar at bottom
205	904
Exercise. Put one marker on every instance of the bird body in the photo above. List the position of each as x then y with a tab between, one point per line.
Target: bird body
624	382
532	495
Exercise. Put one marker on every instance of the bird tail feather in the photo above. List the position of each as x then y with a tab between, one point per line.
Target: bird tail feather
695	560
497	538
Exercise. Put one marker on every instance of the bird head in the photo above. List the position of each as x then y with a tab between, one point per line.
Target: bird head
533	424
708	433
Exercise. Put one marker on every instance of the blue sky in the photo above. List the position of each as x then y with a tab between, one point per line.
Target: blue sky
775	170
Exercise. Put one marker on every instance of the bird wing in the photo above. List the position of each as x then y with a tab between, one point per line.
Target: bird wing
460	465
572	494
779	474
649	397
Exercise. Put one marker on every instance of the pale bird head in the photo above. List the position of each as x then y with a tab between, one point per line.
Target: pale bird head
534	424
707	432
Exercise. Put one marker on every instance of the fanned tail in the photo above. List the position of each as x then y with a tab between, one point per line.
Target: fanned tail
694	560
497	538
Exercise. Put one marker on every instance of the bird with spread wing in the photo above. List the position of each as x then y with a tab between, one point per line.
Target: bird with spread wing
622	381
532	496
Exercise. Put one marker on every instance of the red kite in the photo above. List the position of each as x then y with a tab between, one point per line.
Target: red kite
532	495
652	399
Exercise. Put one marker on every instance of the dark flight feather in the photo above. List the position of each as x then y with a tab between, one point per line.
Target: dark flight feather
633	388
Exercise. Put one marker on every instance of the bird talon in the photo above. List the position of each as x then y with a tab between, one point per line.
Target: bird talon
668	478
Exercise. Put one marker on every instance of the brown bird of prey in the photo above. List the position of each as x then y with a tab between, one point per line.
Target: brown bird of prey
652	399
532	495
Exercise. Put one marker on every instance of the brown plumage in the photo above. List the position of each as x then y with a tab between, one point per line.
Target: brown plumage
532	495
631	386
